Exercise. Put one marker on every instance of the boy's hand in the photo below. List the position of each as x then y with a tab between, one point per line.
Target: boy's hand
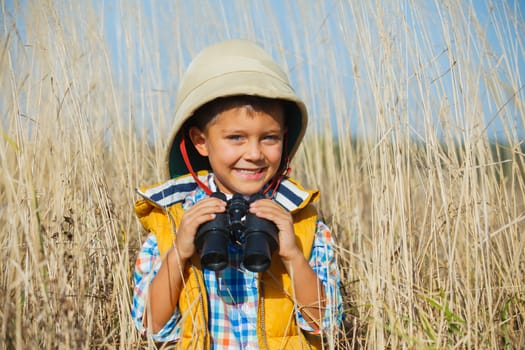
271	210
195	216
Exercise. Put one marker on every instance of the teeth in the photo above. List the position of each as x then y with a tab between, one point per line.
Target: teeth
249	171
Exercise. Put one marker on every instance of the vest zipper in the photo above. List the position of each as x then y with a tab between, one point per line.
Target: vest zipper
261	306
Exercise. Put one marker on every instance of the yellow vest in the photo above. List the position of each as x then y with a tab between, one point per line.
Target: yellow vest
276	321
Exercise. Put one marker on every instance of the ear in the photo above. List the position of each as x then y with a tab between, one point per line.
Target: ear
198	138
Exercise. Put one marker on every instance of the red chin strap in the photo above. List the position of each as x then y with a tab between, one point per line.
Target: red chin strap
182	147
276	181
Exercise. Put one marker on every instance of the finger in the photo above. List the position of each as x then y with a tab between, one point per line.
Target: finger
209	204
271	211
206	207
203	211
267	205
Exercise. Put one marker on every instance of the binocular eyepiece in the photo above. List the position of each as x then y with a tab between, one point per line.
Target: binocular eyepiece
257	236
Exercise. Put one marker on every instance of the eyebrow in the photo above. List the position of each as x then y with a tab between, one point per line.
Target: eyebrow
243	130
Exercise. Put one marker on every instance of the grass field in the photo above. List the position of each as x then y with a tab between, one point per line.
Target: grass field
416	141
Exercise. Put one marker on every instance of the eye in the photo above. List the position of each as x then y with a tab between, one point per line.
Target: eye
272	137
234	137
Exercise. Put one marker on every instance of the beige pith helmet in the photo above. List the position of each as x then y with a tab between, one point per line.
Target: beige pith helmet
230	68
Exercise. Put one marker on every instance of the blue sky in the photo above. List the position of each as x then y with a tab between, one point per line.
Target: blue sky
313	40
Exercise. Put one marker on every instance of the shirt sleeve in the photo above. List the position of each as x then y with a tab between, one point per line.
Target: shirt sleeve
324	263
146	267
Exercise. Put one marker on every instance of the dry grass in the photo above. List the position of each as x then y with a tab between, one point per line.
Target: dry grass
428	213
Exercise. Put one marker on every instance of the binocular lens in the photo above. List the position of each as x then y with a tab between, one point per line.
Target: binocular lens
215	251
256	252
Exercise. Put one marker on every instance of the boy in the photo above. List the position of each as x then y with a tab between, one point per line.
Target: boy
238	123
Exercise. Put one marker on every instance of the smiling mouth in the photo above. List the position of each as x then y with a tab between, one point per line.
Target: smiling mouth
251	171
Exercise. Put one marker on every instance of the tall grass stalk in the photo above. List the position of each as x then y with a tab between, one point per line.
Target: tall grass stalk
416	141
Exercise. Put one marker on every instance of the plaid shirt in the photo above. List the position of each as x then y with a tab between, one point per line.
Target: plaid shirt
233	293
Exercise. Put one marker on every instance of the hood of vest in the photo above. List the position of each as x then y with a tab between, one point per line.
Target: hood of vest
290	194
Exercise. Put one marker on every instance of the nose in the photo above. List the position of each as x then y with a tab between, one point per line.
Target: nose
253	151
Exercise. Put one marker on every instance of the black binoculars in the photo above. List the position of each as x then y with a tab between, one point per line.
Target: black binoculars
258	237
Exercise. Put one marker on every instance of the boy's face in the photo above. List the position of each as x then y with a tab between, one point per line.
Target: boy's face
244	147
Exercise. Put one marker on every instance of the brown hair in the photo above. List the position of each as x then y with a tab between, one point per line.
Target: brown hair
209	111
